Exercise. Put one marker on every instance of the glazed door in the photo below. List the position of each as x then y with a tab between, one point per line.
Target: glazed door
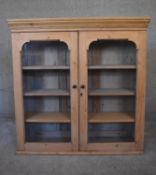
110	76
46	93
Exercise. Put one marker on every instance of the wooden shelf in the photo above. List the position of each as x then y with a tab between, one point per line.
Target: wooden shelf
111	117
112	92
49	92
111	67
47	117
46	68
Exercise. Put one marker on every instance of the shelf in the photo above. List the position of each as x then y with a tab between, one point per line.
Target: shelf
46	68
111	117
49	140
96	67
112	92
47	117
49	92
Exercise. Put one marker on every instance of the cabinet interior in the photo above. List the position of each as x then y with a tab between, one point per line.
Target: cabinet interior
45	53
111	90
48	132
46	90
110	132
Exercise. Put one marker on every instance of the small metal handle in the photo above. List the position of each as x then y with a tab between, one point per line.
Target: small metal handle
82	86
74	86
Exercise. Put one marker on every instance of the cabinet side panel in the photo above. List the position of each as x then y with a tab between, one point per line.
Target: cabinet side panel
18	91
140	89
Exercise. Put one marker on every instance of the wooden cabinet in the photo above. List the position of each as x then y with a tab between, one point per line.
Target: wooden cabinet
79	84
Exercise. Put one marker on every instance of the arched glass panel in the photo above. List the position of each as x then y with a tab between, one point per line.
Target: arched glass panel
46	90
111	90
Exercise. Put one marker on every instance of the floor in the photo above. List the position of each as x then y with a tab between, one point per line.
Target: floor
12	164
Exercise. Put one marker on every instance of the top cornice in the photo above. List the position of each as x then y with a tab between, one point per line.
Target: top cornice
78	24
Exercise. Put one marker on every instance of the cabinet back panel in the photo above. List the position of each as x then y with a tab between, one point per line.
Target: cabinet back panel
110	132
48	132
34	80
111	104
112	79
45	53
47	104
112	52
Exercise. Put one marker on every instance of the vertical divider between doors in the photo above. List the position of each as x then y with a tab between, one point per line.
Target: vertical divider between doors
74	92
83	97
78	68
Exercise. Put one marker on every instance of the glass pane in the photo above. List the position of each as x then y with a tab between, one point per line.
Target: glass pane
108	79
47	104
114	132
116	52
48	132
45	53
46	80
111	90
111	104
46	90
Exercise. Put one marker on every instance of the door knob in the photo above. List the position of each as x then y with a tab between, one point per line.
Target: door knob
82	86
74	86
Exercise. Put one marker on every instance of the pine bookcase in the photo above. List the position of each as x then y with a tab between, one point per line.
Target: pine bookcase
79	84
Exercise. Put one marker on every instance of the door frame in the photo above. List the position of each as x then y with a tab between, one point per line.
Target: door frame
18	40
85	39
